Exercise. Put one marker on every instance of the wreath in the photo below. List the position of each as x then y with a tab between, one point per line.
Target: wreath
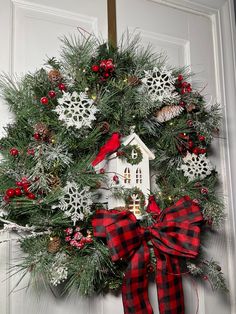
58	160
131	153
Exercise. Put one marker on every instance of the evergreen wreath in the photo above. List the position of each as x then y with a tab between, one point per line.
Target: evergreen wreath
131	153
50	189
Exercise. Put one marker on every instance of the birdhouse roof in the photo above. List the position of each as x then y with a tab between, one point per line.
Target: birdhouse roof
134	137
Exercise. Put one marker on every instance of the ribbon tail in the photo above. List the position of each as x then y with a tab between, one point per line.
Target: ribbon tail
169	286
135	284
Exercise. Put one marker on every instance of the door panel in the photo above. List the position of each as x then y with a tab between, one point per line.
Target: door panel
31	31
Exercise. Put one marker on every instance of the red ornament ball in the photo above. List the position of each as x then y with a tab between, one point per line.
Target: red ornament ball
62	86
14	152
44	100
31	196
18	192
37	136
51	94
10	192
95	68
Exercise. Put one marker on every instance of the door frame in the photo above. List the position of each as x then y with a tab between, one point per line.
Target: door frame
222	17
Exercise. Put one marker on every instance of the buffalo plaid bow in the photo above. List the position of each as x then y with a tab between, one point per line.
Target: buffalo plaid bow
173	235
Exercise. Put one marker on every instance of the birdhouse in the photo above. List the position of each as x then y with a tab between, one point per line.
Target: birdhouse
128	168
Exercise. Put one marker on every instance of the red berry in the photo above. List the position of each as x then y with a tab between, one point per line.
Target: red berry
202	150
102	170
18	192
6	198
106	75
62	86
10	192
182	103
30	152
190	123
37	136
201	138
189	89
14	152
183	91
196	150
190	144
52	94
204	191
95	68
205	277
44	100
180	77
19	183
31	196
184	84
196	201
116	179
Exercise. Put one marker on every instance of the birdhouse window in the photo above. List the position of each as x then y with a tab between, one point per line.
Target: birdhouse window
134	154
139	178
134	206
127	176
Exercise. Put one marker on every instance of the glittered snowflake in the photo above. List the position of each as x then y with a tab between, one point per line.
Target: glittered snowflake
76	110
196	166
160	84
75	202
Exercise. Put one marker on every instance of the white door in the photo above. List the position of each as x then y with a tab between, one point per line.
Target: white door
190	33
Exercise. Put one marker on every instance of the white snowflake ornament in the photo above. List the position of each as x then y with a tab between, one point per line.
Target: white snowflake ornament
160	84
75	202
76	110
196	166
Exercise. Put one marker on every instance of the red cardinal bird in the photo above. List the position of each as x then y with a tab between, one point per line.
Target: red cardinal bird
111	145
152	207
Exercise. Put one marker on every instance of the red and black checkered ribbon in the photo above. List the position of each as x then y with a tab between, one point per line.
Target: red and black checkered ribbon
174	235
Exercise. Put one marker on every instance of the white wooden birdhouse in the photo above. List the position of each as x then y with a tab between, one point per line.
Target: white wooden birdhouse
128	171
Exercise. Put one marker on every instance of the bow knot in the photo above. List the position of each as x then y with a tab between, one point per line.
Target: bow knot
174	235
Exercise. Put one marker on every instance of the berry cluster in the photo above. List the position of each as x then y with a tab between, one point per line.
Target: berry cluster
21	189
76	238
183	86
52	94
105	69
190	143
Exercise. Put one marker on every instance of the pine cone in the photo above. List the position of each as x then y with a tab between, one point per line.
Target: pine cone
134	81
41	128
53	181
54	76
167	113
104	127
190	107
54	244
